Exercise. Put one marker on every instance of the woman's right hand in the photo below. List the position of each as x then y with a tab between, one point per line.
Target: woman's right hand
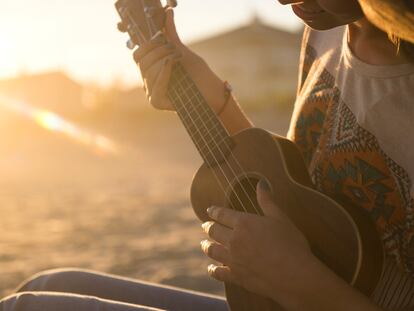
156	61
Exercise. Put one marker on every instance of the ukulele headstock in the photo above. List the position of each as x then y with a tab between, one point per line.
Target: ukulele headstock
143	20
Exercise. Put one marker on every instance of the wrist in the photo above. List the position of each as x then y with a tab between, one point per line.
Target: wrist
291	285
213	91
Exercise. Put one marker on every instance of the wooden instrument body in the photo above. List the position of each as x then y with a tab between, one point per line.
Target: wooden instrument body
343	238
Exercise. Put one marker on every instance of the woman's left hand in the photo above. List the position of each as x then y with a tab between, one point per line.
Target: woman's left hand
263	254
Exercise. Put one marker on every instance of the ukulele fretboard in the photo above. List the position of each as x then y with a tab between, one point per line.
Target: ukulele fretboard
205	128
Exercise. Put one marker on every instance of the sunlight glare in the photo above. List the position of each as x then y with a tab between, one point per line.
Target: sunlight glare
53	122
48	120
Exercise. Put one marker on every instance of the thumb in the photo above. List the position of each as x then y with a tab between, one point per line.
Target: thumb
265	200
170	29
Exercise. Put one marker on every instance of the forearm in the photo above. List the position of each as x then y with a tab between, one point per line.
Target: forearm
320	289
213	90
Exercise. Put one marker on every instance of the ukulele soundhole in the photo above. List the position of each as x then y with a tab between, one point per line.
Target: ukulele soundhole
243	196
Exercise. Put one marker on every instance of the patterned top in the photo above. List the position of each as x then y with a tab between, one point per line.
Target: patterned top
354	124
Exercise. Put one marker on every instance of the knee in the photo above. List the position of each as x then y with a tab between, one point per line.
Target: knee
56	280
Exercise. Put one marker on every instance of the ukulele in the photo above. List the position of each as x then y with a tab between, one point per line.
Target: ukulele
341	236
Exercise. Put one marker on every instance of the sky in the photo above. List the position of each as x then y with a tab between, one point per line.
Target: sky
80	36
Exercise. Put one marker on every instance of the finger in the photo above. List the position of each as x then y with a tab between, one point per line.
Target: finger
145	49
266	202
157	55
290	1
216	251
217	232
220	273
225	216
170	28
158	95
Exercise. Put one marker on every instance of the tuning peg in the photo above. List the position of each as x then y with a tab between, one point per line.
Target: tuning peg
122	10
130	44
172	3
122	27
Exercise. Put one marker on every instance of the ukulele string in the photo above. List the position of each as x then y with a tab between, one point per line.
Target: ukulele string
244	173
215	159
218	147
222	153
231	168
223	188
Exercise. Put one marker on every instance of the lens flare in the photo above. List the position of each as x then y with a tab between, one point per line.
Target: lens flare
53	122
48	120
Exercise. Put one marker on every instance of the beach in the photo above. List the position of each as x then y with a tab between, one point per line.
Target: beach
129	213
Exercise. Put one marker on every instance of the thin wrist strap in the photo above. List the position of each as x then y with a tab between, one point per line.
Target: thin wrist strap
228	91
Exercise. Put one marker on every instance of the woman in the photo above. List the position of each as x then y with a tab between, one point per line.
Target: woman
353	81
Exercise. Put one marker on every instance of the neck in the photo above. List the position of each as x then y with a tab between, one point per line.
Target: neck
372	45
204	127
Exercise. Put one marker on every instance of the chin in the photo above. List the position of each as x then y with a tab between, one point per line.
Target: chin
328	22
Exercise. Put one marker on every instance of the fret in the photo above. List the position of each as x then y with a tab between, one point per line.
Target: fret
216	140
210	140
208	126
190	109
204	119
193	101
204	116
205	128
202	132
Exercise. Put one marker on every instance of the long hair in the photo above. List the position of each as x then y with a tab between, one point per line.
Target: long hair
396	18
403	47
406	46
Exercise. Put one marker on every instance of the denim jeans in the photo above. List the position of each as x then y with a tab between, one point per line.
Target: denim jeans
82	290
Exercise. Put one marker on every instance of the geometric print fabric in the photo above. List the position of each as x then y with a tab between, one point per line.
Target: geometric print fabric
346	162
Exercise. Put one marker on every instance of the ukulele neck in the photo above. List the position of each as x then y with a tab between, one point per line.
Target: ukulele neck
205	129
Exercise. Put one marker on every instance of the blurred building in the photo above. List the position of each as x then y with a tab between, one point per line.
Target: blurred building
52	91
259	61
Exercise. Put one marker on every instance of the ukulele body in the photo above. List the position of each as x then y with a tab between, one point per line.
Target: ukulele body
343	237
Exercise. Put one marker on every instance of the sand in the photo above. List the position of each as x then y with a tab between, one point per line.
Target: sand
61	205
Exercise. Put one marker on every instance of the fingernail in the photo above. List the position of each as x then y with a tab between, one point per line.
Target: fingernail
264	185
205	245
205	226
211	269
210	210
